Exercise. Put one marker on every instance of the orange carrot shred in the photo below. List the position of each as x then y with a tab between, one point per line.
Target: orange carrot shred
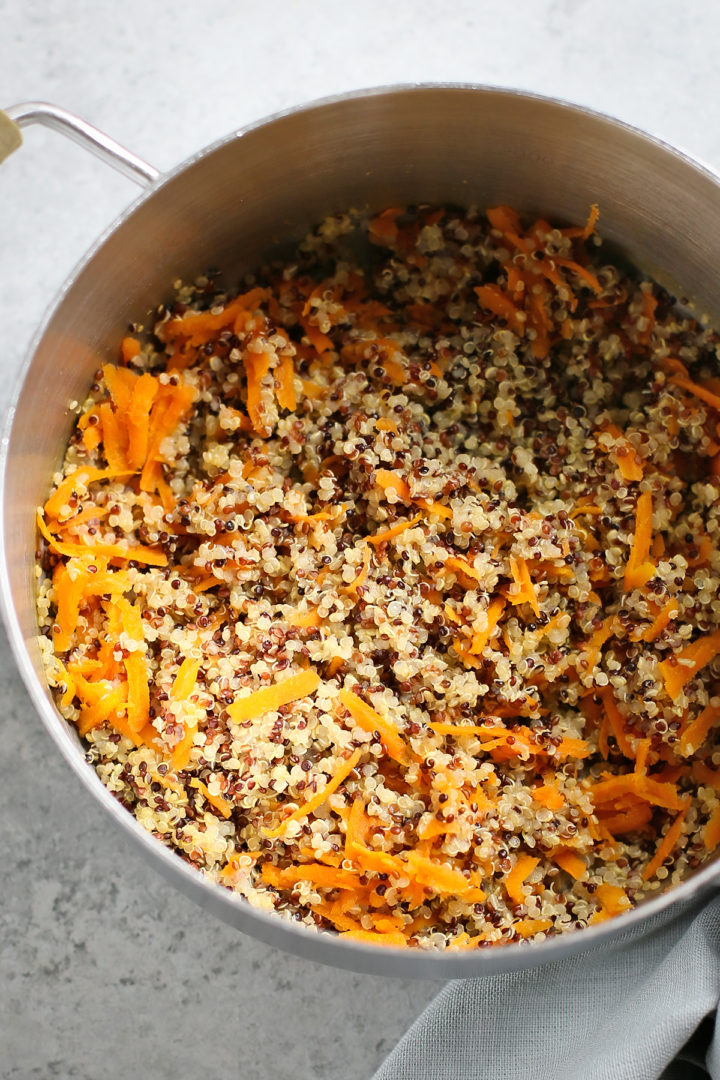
638	570
494	614
495	300
521	576
270	698
697	390
571	863
684	665
341	773
523	868
286	384
613	901
526	928
549	796
182	688
370	937
220	804
395	530
695	734
661	620
129	348
666	846
369	720
391	481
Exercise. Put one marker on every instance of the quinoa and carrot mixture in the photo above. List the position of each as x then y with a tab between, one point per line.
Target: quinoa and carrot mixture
385	592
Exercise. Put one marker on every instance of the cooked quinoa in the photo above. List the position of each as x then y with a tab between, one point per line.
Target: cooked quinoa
385	592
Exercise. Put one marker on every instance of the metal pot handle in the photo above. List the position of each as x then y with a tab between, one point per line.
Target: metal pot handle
107	149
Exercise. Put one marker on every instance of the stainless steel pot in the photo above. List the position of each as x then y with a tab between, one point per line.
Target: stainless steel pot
246	197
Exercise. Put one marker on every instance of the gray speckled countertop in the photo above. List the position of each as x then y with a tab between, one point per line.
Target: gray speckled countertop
105	970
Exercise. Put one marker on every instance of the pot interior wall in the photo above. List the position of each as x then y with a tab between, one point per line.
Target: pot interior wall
236	204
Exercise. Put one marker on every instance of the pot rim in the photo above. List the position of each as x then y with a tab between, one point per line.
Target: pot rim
272	929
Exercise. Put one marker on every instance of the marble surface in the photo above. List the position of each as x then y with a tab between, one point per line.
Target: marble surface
104	969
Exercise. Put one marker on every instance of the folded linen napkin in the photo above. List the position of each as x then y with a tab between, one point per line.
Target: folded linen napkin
622	1014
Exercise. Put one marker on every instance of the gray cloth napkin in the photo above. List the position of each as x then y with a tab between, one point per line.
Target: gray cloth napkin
623	1014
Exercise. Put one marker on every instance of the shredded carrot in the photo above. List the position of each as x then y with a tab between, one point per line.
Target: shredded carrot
495	300
571	863
320	797
642	751
182	688
695	734
391	481
526	928
82	477
220	804
359	579
627	458
630	820
137	420
437	876
129	349
120	382
170	408
617	721
521	576
435	508
613	901
271	698
328	877
73	583
593	649
665	616
380	861
591	221
494	614
463	569
369	937
320	342
638	570
257	365
114	438
549	796
704	551
148	556
505	220
582	272
370	720
666	846
697	390
523	868
286	383
197	328
313	390
96	712
656	792
467	729
510	641
185	679
358	827
305	619
684	665
705	775
395	530
573	748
